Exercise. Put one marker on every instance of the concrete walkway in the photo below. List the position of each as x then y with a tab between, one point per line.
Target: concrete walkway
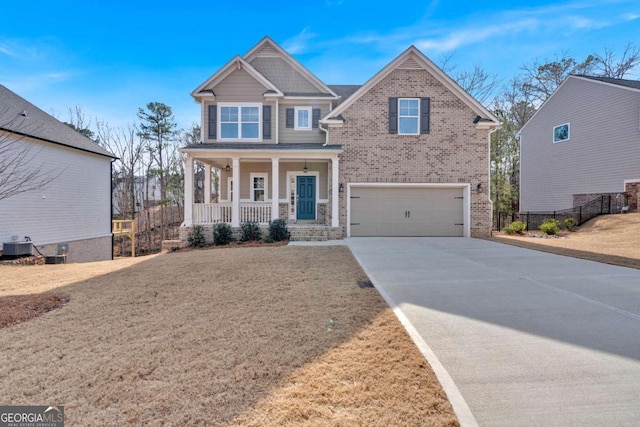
524	338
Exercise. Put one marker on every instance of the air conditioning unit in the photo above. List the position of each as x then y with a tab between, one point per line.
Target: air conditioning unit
17	249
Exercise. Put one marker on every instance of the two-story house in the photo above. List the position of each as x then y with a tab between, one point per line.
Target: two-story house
54	184
583	142
405	154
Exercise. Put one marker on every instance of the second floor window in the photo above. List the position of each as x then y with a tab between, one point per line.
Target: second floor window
408	116
239	121
302	118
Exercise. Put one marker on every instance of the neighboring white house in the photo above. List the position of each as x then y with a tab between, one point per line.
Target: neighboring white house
583	142
72	212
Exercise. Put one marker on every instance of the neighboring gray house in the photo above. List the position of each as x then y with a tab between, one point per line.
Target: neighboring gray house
584	141
405	154
72	212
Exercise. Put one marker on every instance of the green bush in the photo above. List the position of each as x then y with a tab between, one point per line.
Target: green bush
267	240
517	227
570	224
222	234
195	238
278	230
250	231
549	226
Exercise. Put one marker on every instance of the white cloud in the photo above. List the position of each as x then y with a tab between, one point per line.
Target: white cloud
5	50
562	19
472	35
300	43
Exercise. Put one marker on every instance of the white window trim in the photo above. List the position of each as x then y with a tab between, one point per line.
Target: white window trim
295	118
568	125
416	117
266	186
239	105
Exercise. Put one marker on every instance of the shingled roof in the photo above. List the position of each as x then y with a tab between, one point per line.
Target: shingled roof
634	84
19	116
344	91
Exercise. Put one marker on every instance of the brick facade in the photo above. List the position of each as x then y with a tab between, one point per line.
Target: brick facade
453	152
632	189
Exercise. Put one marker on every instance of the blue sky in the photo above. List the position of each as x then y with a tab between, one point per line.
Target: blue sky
111	57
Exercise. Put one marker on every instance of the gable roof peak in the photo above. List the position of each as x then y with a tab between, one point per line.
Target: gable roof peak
274	49
237	62
413	58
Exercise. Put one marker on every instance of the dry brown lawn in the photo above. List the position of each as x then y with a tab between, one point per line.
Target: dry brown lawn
612	239
241	336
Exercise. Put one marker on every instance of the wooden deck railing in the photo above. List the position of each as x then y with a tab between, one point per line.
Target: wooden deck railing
128	228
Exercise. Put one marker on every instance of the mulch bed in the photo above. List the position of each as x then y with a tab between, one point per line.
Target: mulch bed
16	309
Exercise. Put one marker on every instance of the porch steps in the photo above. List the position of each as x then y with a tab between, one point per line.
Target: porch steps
308	233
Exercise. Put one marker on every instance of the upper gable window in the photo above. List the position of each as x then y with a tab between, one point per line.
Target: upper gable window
239	121
408	116
561	133
302	118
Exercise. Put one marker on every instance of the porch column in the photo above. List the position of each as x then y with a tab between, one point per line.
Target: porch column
188	191
235	205
275	188
207	183
335	196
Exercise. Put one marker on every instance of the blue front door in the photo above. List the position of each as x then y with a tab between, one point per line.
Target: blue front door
306	191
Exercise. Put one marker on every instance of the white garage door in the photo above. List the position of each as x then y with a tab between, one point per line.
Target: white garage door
402	211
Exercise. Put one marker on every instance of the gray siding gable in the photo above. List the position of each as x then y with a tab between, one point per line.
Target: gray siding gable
284	76
602	151
239	86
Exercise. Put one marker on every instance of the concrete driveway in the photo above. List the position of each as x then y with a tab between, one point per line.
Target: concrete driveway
516	336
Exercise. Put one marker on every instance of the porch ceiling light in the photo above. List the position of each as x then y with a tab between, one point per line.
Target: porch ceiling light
305	169
227	168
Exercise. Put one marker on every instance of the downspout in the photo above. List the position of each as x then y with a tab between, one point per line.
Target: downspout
326	132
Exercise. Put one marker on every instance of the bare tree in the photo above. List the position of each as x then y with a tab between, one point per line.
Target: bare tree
542	79
514	107
125	144
608	65
158	130
20	172
480	84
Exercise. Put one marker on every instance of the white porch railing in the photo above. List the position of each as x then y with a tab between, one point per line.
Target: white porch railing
212	213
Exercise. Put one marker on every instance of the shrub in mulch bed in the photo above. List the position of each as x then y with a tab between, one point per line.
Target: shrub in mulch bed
16	309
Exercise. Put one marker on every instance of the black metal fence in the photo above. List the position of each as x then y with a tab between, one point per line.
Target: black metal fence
604	204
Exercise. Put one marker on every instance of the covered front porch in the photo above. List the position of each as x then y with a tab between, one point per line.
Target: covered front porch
240	183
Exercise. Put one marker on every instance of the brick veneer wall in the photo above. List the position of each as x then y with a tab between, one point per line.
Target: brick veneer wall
632	189
453	152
